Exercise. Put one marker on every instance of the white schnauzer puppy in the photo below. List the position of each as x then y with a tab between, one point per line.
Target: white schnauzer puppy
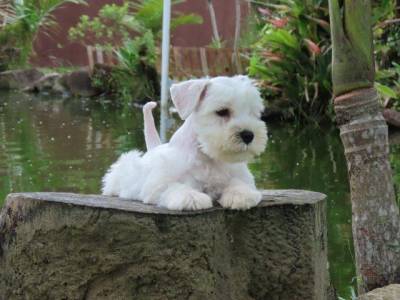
206	157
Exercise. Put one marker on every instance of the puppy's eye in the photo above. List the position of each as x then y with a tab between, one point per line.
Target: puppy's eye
223	112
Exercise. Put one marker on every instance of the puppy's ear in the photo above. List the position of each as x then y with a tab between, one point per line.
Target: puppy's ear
187	95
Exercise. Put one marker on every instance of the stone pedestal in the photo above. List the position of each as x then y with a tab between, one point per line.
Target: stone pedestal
69	246
390	292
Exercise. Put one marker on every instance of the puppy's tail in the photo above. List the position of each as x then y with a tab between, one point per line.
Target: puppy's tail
150	132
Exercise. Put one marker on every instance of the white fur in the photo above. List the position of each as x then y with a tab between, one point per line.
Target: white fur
150	132
205	159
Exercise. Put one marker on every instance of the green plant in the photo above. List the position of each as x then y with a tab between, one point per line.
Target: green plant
115	24
292	58
134	78
132	32
217	44
108	30
137	53
353	295
149	14
27	18
252	24
387	51
388	84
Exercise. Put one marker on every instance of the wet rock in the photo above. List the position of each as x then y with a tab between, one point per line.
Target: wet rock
19	79
390	292
50	83
392	117
69	246
79	83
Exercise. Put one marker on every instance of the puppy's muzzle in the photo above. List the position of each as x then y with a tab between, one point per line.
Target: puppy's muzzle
247	136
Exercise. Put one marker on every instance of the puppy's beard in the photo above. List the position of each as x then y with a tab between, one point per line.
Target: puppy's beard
234	157
230	148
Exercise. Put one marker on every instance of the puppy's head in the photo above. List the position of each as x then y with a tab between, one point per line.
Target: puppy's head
225	113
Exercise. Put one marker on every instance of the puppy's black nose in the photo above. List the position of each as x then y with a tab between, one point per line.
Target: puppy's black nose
246	136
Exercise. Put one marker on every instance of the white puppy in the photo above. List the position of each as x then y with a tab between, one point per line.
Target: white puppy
205	158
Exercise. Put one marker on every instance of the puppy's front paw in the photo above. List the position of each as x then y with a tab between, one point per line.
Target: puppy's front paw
240	197
187	200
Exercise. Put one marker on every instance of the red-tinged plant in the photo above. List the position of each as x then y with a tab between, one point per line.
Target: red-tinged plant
279	23
312	47
292	53
292	58
264	11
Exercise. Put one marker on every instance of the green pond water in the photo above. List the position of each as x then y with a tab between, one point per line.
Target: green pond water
55	144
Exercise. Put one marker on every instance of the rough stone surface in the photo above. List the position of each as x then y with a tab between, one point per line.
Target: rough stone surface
390	292
50	83
392	117
79	83
68	246
19	79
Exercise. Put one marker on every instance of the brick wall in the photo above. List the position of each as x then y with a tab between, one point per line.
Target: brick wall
54	48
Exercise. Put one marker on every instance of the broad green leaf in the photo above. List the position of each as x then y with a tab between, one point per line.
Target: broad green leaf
385	90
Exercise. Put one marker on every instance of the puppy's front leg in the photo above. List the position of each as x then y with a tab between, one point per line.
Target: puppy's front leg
239	195
182	197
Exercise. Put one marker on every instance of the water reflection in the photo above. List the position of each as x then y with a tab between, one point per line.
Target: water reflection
51	144
54	145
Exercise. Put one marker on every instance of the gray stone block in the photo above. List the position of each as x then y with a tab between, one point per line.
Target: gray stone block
390	292
79	83
19	79
69	246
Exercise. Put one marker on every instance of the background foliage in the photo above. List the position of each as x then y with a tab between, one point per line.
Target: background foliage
25	18
292	56
132	31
